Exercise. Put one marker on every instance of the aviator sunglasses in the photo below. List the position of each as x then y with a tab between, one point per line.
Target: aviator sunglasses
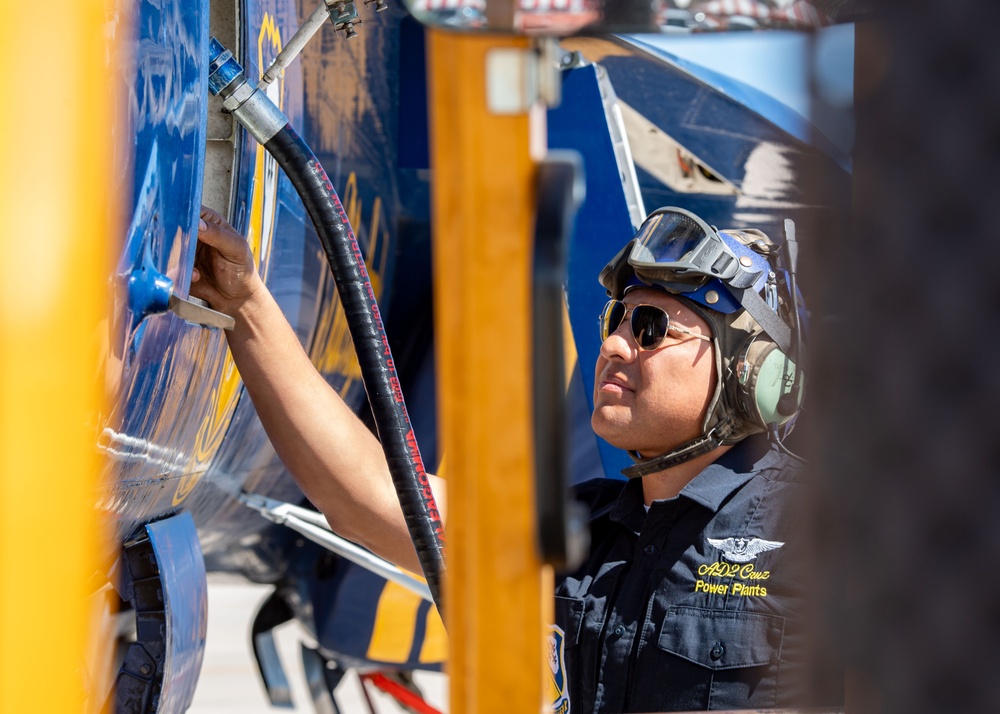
650	324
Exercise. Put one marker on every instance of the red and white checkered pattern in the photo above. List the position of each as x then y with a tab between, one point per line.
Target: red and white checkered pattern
800	13
527	5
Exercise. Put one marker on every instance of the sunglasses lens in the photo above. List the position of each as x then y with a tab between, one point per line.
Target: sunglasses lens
611	318
649	326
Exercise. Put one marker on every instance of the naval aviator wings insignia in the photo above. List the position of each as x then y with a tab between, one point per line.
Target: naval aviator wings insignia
743	550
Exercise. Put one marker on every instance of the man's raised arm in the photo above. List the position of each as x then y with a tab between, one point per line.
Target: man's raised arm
336	460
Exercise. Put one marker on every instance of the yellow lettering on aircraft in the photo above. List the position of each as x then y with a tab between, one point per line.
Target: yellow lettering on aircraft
260	231
332	350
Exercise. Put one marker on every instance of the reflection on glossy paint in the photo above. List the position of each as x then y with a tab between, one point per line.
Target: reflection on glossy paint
264	200
124	448
222	404
260	234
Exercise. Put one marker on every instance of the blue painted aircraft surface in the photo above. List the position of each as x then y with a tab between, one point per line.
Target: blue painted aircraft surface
183	441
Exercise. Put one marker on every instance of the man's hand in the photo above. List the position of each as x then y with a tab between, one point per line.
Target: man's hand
224	272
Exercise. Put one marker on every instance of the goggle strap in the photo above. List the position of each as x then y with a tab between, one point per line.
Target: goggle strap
714	258
773	325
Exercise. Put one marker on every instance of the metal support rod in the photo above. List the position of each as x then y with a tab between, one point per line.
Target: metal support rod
315	527
290	51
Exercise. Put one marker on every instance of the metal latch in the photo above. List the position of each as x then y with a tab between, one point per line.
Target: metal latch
195	310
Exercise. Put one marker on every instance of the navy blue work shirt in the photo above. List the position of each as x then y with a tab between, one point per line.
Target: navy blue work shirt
697	604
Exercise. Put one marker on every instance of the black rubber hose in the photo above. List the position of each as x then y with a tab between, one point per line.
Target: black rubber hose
377	369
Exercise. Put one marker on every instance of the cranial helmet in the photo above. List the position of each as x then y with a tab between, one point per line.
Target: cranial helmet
736	281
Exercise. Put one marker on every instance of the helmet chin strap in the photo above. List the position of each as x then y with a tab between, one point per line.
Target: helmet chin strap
679	455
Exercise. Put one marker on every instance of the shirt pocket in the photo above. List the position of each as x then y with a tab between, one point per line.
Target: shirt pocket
712	659
720	639
569	618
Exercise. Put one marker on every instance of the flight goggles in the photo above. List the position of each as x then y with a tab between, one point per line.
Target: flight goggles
679	251
675	246
650	324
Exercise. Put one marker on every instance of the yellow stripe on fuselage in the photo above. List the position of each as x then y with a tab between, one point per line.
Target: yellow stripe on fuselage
395	623
435	646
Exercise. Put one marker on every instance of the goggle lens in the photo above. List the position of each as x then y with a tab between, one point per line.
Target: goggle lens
667	238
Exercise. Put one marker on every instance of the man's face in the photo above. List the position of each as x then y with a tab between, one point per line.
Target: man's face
652	401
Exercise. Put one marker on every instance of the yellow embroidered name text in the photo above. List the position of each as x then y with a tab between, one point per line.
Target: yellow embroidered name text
749	590
743	576
715	588
720	569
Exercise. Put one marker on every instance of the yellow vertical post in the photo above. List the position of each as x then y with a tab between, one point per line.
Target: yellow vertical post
483	211
55	211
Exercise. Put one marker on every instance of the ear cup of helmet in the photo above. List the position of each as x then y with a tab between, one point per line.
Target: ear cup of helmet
769	390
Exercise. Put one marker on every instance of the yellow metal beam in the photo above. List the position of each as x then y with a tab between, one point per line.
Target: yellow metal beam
483	197
55	211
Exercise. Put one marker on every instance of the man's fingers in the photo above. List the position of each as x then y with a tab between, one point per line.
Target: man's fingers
214	231
224	262
207	214
214	236
206	292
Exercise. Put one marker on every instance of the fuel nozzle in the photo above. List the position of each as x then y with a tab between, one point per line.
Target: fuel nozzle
225	74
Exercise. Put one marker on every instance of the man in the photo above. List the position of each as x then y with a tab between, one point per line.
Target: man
693	592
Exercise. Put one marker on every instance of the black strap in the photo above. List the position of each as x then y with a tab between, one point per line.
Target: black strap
685	452
773	325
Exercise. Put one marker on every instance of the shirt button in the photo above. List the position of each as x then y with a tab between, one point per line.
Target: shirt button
649	549
619	631
717	651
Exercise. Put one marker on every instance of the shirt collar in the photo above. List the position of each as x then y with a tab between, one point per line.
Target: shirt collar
710	487
730	471
629	509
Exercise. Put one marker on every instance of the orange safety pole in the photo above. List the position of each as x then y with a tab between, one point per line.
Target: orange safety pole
483	211
55	226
